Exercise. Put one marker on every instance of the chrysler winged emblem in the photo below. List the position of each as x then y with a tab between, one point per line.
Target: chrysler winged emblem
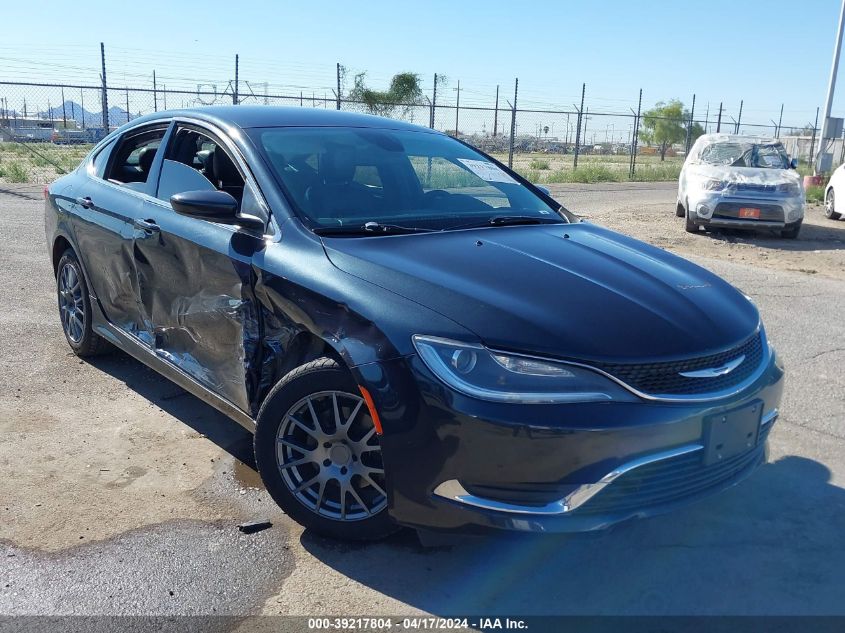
713	372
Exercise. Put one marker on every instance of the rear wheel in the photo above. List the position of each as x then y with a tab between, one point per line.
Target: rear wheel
830	205
75	307
319	456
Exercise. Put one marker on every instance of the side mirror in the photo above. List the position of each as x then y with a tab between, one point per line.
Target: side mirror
544	190
214	206
793	164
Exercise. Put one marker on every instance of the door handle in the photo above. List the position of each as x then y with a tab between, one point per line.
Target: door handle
148	226
85	203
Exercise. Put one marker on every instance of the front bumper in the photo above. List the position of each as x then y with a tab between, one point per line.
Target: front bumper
456	463
722	209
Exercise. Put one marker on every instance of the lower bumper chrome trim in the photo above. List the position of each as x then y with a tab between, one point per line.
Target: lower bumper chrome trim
453	490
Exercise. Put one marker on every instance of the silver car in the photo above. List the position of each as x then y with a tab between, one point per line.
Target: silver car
740	182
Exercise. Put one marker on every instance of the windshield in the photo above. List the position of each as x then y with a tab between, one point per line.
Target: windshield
740	154
347	177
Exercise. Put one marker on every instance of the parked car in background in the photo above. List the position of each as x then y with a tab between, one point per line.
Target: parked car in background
416	334
836	184
740	182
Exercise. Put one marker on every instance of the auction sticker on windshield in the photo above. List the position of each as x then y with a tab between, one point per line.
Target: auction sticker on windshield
487	171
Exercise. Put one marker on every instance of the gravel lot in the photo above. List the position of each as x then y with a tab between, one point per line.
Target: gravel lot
121	494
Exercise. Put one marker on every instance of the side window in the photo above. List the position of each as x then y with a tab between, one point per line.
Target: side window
101	159
196	161
133	158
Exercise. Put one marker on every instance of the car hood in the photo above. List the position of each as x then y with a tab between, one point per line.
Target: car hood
564	290
744	175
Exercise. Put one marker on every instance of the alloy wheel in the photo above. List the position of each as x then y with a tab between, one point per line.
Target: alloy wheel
829	204
329	456
71	303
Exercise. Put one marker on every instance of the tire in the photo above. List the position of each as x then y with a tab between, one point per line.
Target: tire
679	210
792	232
691	226
75	308
830	205
301	436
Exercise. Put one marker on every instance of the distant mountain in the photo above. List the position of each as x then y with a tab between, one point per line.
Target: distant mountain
75	112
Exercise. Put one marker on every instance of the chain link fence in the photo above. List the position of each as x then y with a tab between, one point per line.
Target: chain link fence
570	144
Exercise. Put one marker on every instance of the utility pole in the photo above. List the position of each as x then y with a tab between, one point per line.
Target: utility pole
155	93
813	139
457	107
578	130
235	91
513	122
689	127
496	112
831	86
105	89
719	121
739	119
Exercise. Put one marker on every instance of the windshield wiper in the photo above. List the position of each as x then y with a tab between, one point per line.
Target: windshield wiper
508	220
370	228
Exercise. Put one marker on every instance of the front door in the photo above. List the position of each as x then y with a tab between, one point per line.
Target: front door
195	278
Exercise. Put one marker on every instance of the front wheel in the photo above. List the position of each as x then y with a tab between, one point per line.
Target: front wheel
830	205
319	456
791	232
691	226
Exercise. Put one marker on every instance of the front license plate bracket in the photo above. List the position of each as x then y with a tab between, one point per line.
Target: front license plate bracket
732	432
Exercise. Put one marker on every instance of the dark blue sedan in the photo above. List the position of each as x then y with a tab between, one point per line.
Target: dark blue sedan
416	334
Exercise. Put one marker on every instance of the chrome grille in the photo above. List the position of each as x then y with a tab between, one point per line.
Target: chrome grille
666	379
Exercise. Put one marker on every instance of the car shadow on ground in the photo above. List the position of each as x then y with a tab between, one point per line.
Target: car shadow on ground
772	545
183	406
829	236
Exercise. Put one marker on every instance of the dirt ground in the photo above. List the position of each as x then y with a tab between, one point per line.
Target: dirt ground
646	211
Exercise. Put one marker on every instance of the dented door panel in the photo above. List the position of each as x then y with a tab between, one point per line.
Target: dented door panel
196	295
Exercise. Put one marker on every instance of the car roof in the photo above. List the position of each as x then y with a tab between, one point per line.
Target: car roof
250	116
737	138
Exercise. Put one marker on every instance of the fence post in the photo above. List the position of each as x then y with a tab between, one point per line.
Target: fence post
433	102
127	105
739	118
64	109
719	120
105	98
457	107
496	112
513	122
235	91
155	93
813	139
82	105
338	85
689	126
636	137
780	120
578	129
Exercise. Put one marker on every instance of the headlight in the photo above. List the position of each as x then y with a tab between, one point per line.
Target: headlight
714	184
475	371
789	188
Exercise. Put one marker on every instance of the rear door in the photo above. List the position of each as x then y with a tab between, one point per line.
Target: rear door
195	277
106	204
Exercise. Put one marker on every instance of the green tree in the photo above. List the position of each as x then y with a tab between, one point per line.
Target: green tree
404	93
664	125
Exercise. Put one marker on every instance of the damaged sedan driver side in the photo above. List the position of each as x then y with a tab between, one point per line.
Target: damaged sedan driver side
416	334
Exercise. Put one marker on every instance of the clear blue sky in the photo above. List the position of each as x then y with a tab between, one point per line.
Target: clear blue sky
766	52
